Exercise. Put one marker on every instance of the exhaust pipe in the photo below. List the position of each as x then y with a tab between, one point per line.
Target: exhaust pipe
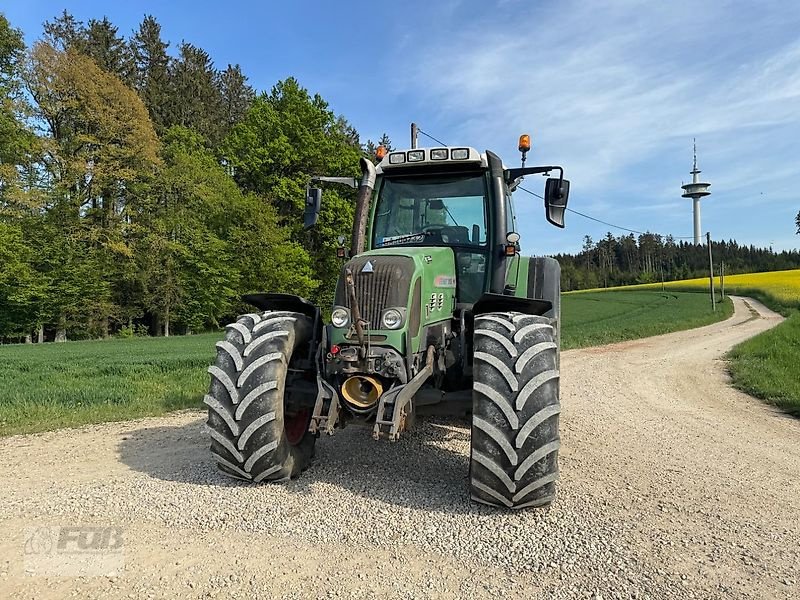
361	392
362	206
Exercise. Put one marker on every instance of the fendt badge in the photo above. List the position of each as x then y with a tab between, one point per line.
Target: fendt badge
368	267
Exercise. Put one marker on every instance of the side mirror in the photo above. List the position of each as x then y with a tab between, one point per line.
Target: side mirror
556	192
313	206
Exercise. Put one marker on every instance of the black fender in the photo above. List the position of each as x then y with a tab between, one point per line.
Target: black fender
501	303
542	292
544	283
282	302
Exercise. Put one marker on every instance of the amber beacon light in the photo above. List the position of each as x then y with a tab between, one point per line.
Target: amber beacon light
524	146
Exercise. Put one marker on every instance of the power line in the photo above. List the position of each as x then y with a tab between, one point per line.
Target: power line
430	136
585	216
591	218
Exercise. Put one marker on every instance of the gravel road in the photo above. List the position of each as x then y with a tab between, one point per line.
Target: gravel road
673	485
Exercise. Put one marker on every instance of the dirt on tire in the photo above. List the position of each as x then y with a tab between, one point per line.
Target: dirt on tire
673	485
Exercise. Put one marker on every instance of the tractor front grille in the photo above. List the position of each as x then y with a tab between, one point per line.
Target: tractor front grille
385	286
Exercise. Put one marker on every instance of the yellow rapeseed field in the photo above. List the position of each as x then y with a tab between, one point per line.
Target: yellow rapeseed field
782	286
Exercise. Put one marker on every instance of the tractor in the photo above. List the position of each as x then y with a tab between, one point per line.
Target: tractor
435	312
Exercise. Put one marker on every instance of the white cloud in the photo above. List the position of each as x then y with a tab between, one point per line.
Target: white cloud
616	91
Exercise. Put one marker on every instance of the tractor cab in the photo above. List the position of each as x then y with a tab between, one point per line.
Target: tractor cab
437	209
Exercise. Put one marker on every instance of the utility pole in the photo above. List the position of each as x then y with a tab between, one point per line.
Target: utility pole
711	272
722	279
414	135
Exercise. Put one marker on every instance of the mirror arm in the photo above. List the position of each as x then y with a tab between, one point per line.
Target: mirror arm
511	175
348	181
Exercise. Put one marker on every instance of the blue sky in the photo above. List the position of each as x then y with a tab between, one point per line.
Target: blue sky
613	91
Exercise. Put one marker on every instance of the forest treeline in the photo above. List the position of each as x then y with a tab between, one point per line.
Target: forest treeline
650	257
143	190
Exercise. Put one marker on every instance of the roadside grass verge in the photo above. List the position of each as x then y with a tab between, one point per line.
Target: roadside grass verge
767	366
50	386
596	318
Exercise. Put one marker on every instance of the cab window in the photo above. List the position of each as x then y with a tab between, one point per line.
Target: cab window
431	211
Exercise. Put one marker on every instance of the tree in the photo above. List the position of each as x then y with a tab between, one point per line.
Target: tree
370	148
102	138
17	141
64	32
236	96
588	248
108	50
206	243
195	98
286	137
797	222
100	145
20	287
386	142
151	64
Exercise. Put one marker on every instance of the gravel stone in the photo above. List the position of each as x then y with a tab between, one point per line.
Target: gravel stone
673	485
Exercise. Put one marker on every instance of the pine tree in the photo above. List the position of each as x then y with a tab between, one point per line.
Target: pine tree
64	32
386	142
108	49
151	78
370	148
236	96
195	98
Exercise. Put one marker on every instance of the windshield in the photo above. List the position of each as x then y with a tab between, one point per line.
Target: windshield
431	211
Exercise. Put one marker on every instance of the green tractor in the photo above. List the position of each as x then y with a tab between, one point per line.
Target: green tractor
435	312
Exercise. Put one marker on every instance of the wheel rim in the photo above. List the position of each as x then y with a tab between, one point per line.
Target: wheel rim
296	426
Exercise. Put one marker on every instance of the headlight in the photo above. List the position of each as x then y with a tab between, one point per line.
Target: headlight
416	155
459	154
439	154
340	317
392	318
396	158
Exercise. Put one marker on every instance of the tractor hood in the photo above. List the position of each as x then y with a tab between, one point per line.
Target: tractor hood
420	282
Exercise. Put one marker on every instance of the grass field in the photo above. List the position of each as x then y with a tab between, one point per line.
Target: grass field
63	385
768	365
594	318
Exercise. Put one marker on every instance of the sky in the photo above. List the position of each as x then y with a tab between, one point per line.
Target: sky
614	91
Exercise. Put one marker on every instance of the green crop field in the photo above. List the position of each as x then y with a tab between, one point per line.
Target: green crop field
64	385
595	318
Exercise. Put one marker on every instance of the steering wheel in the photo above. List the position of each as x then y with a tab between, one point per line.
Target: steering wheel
434	232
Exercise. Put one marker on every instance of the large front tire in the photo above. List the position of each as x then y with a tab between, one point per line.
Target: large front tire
256	435
515	442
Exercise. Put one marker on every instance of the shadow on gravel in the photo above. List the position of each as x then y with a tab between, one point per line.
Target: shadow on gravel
426	469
